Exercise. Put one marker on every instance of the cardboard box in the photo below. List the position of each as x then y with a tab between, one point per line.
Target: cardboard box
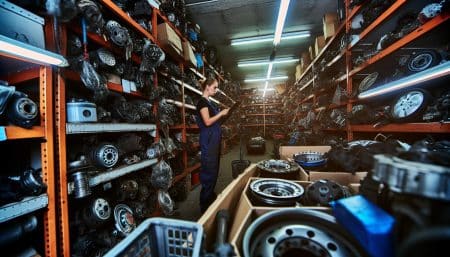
311	52
318	45
330	17
189	53
169	38
329	29
305	60
298	71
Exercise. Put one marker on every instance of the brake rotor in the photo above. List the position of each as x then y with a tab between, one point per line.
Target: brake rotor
324	191
124	220
367	82
278	168
298	232
276	192
106	58
310	159
408	104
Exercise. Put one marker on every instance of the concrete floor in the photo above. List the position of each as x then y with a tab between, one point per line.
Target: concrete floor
190	209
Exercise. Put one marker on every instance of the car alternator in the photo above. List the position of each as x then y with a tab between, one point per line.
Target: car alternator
156	150
102	59
299	232
124	220
152	57
118	34
105	155
322	192
96	213
279	169
275	192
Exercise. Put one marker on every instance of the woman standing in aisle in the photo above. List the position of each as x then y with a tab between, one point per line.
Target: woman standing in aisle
208	120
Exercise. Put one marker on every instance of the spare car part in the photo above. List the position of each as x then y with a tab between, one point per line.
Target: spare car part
79	111
127	190
152	57
430	11
322	192
81	187
161	177
156	150
367	82
130	143
415	178
165	202
20	109
102	59
79	164
17	230
275	192
310	159
118	34
140	210
298	232
31	182
91	79
179	192
96	213
439	110
409	104
105	155
124	220
278	169
91	12
423	60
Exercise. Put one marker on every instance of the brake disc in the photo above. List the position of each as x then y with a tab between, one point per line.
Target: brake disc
367	82
97	213
104	58
322	192
118	34
310	159
298	232
124	220
276	192
105	155
416	178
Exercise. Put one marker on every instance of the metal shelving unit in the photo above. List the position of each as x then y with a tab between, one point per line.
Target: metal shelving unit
27	205
88	128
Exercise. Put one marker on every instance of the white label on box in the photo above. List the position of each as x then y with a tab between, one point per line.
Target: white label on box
126	86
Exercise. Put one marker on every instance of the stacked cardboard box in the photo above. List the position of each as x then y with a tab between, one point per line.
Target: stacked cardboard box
189	53
319	44
169	38
330	25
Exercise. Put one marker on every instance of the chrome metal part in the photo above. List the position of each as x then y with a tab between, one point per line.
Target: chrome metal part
124	220
97	213
408	104
81	187
310	159
416	178
278	166
118	34
106	155
276	192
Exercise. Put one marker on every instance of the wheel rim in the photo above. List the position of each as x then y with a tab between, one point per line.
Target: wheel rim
408	104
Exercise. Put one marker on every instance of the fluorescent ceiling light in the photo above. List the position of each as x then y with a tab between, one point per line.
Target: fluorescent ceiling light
412	80
31	53
269	71
282	12
269	38
264	79
262	62
202	2
266	89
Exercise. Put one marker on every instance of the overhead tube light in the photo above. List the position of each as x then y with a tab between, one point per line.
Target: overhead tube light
201	2
269	38
412	80
265	88
261	62
15	48
269	70
265	79
282	12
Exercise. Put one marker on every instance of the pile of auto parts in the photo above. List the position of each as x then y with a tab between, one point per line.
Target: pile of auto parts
275	192
92	14
165	202
322	192
278	169
152	57
16	107
120	36
298	232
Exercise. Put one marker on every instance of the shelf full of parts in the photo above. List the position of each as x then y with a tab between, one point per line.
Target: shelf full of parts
384	70
27	182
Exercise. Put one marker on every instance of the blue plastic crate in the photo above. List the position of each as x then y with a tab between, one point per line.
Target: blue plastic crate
161	237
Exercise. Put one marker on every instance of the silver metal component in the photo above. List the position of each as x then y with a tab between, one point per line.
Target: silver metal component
118	34
106	57
408	177
97	213
81	111
27	205
108	127
408	104
298	232
421	61
165	202
81	187
106	155
81	163
124	220
279	168
276	191
310	159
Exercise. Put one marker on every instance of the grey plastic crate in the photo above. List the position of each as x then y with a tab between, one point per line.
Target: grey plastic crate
161	237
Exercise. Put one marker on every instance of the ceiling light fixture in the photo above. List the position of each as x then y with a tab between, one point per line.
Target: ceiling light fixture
282	12
265	79
266	89
202	2
269	38
20	50
262	62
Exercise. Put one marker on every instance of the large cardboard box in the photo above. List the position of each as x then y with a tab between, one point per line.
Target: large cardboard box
311	52
330	17
298	71
318	45
189	53
169	38
329	29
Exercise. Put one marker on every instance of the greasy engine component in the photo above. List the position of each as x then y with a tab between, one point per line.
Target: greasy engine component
367	82
439	109
91	12
363	114
105	155
78	164
123	110
127	190
165	202
411	177
91	79
167	113
14	189
275	192
409	105
31	182
20	109
152	57
310	159
298	232
97	213
140	210
81	187
338	117
103	115
180	190
161	177
119	36
322	192
156	150
278	169
124	220
130	143
79	110
144	110
102	59
14	232
422	60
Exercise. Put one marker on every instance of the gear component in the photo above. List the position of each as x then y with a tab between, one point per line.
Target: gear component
105	155
165	202
96	213
322	192
124	220
299	232
118	34
102	59
278	169
275	192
